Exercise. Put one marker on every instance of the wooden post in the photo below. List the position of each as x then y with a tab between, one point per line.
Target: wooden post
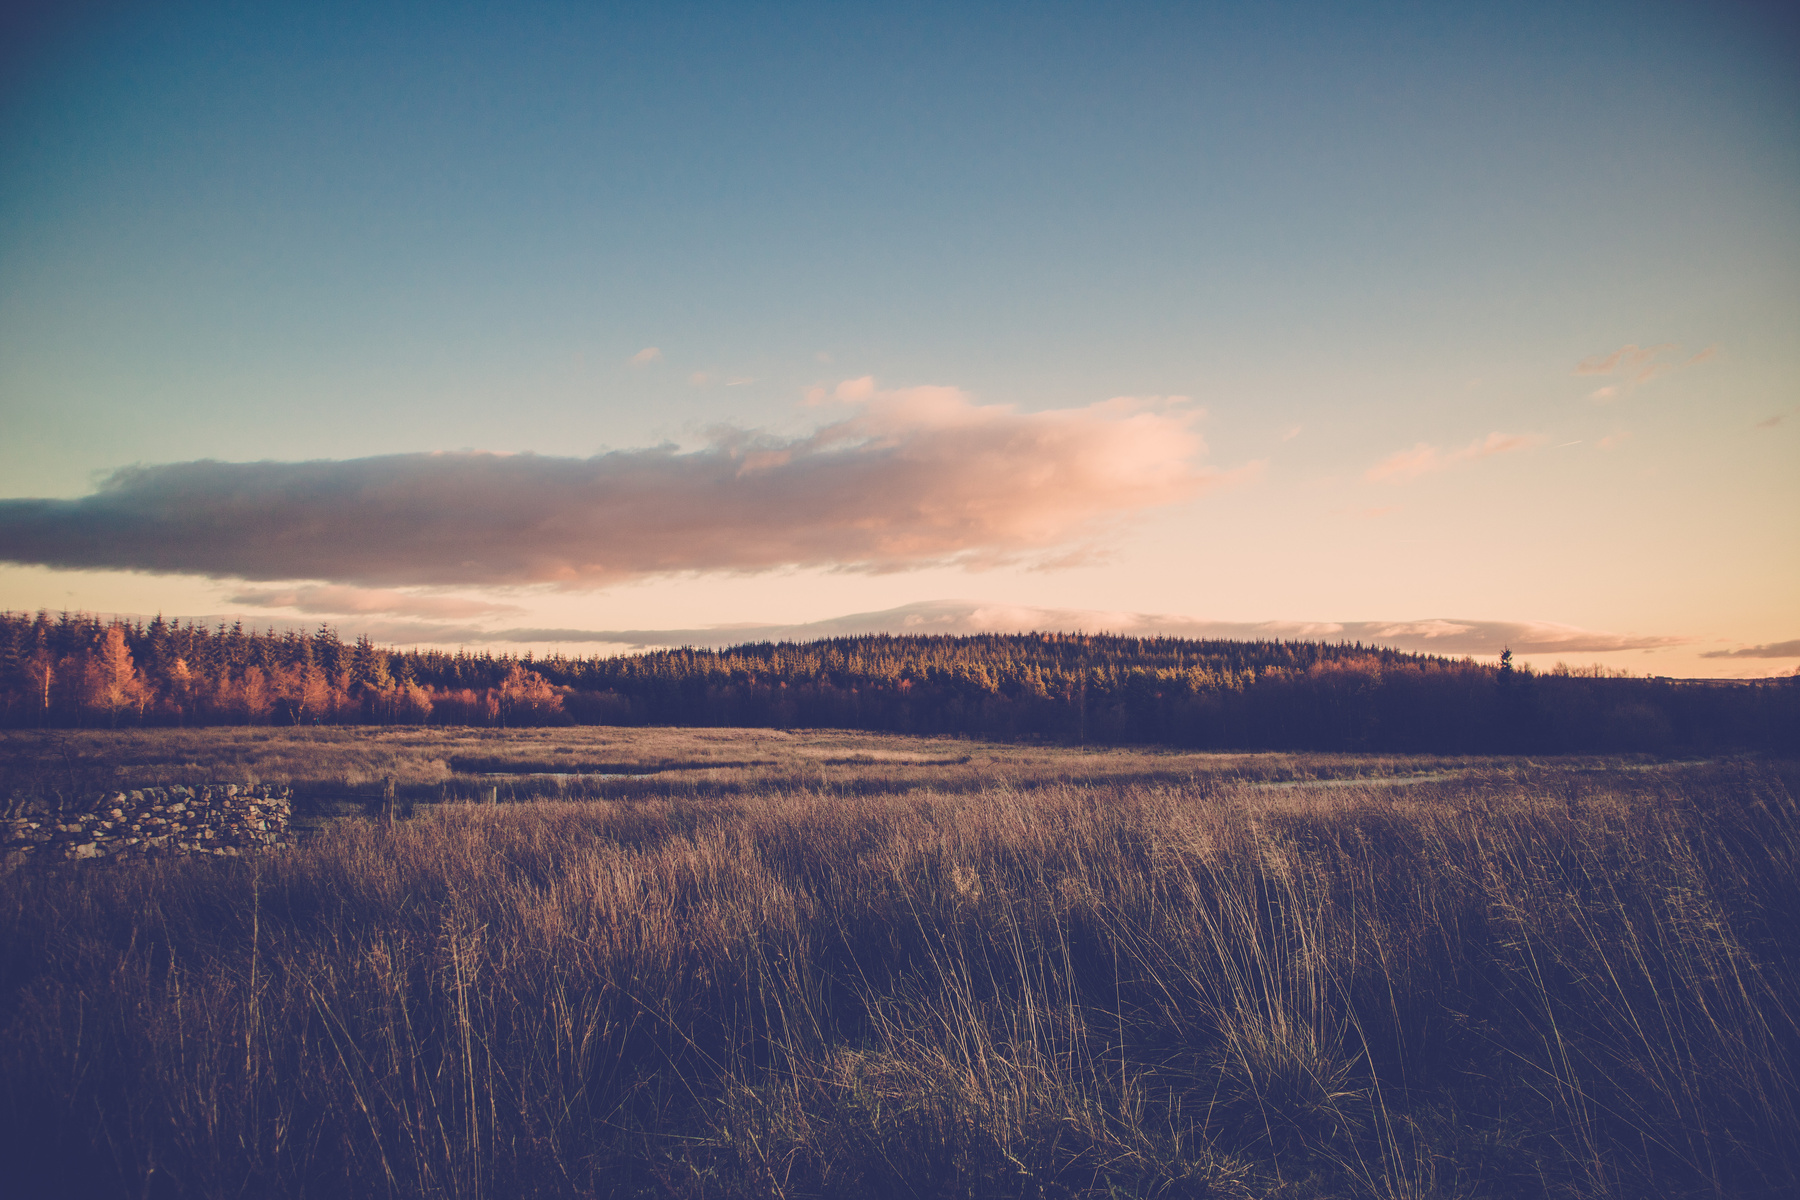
387	799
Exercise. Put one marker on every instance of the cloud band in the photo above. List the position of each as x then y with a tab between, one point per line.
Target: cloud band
962	617
959	617
1787	649
908	478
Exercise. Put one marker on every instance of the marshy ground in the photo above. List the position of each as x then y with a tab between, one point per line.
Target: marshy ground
747	962
334	764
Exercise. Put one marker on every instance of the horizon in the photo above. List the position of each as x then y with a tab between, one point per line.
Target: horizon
1459	329
1542	648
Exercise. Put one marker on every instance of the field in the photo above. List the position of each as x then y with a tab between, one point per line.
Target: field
331	766
746	962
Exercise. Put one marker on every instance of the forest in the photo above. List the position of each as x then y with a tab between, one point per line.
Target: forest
75	670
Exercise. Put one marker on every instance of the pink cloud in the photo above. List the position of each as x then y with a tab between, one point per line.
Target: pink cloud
647	355
910	477
1636	363
1407	464
1425	458
956	617
1432	636
1651	372
848	392
855	389
1625	358
1496	443
349	601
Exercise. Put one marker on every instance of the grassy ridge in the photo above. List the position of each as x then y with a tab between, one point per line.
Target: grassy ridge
1520	982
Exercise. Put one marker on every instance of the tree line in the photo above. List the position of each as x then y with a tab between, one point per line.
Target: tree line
74	669
78	670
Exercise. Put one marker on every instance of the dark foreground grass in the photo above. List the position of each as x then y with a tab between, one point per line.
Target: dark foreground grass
1530	983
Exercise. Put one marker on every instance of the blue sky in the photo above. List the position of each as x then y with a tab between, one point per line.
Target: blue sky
334	232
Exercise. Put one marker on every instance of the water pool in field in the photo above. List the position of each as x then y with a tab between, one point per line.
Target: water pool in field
570	774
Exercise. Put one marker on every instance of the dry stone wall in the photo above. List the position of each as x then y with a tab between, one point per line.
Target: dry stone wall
218	818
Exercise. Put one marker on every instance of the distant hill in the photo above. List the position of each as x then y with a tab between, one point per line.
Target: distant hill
1174	691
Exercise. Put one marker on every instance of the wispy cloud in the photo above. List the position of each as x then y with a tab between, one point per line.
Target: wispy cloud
1772	422
648	354
1424	458
906	478
1789	649
1626	358
336	600
1636	365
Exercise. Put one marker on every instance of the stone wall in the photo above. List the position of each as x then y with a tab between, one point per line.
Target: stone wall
216	818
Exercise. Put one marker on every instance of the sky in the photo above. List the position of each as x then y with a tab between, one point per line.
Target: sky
590	327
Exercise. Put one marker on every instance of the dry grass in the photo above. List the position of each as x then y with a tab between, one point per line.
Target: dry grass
1512	981
599	761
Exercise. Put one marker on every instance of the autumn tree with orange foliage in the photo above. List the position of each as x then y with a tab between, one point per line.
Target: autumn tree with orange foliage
110	680
526	698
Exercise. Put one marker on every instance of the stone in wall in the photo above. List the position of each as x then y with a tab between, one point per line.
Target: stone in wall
148	823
